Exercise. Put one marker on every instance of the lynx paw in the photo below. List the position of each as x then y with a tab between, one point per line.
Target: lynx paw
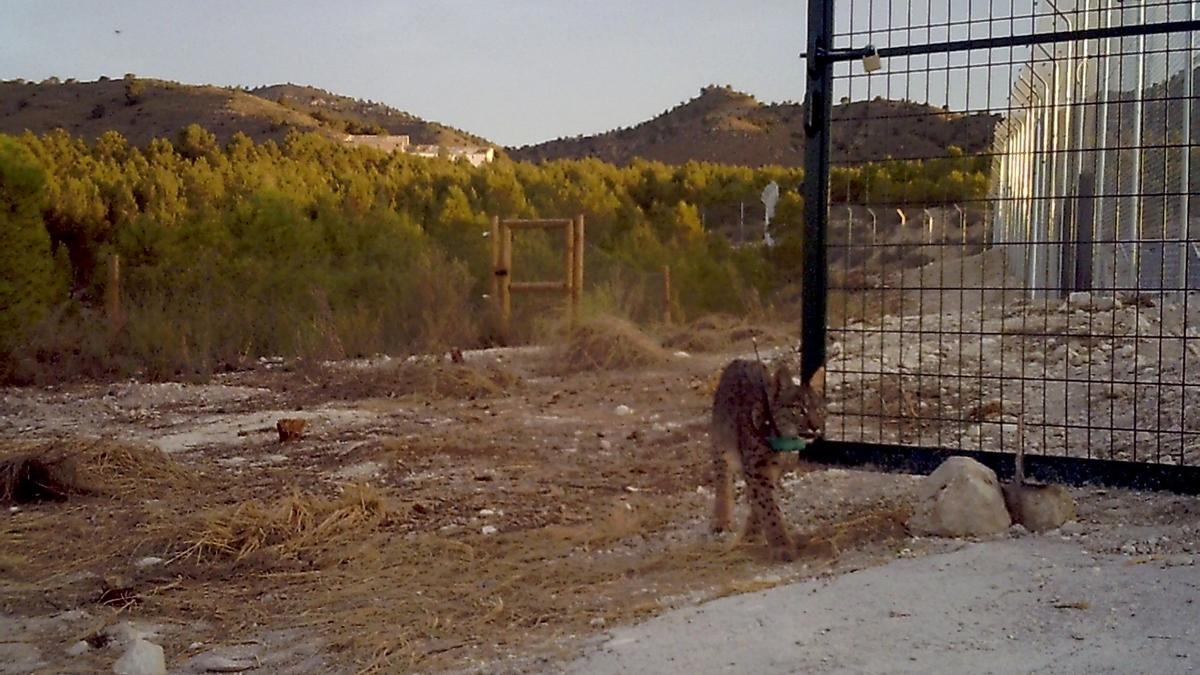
783	554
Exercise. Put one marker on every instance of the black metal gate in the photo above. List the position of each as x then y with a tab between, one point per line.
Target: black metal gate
1003	235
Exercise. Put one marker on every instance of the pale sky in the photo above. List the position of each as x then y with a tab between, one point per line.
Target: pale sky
514	71
525	71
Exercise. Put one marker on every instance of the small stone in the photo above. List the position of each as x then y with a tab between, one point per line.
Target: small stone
489	530
148	561
598	622
141	658
79	648
1071	528
486	512
605	444
623	410
216	663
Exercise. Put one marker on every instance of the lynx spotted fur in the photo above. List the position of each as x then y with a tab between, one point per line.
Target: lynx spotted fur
746	399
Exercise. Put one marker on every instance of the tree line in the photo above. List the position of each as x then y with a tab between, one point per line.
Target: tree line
311	248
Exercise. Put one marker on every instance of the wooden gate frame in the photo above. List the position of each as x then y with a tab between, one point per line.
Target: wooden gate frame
503	285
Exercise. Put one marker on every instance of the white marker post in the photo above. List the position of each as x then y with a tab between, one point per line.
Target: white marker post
770	197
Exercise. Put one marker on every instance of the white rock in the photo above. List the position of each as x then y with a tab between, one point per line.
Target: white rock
682	355
79	648
148	561
961	498
489	529
623	410
605	444
141	658
216	663
486	512
126	632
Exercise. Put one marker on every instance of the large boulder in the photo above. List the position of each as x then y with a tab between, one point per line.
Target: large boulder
1039	507
962	498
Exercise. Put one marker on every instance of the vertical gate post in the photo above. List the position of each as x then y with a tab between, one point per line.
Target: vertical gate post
577	269
667	294
569	271
495	235
817	110
505	272
112	295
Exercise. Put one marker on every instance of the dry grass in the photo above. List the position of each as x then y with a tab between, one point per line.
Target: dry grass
294	526
534	585
427	378
607	343
719	332
351	569
56	470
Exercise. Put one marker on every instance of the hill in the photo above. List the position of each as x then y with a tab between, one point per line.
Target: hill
727	126
356	116
143	109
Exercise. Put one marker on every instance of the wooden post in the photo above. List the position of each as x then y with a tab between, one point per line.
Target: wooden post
577	271
506	239
112	294
495	235
667	294
569	271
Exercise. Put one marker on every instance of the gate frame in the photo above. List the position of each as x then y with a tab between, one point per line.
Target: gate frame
820	58
503	285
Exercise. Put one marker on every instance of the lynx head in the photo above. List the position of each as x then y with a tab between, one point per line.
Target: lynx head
798	407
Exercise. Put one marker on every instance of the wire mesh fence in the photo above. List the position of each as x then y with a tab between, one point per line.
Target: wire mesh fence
1052	305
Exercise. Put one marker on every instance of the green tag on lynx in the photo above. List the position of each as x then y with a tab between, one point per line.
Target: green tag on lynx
787	443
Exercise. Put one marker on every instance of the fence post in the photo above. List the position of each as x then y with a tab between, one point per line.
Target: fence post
667	294
818	108
577	268
505	273
495	235
569	271
112	295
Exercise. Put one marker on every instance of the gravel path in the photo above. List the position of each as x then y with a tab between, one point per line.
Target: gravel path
1035	604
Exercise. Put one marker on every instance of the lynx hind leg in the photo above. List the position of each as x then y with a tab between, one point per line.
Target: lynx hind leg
723	461
765	510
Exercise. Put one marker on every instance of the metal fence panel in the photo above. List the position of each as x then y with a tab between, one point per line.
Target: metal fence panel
1054	309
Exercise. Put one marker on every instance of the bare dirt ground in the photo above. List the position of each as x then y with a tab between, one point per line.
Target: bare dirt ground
499	516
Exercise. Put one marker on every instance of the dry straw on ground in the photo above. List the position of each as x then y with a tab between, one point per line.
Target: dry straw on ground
293	526
717	332
57	470
607	343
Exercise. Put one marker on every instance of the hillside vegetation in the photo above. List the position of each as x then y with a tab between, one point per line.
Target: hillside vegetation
364	117
310	248
724	125
143	109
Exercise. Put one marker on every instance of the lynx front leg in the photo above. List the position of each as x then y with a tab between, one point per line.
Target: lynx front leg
765	510
723	489
753	528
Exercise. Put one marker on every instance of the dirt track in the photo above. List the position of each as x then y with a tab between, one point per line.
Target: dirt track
519	525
